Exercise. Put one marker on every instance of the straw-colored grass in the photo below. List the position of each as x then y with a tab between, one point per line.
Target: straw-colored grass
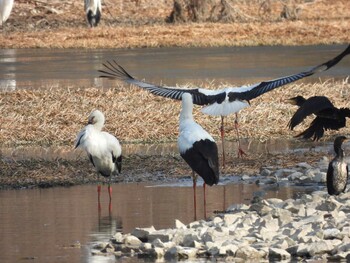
129	26
54	116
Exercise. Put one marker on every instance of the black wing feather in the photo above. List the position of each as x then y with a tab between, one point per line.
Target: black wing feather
115	71
312	105
203	158
266	86
319	125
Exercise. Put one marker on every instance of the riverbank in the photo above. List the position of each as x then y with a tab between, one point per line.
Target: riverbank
51	118
140	24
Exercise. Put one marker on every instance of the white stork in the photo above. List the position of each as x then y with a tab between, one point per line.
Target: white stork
5	10
220	102
93	11
197	148
103	149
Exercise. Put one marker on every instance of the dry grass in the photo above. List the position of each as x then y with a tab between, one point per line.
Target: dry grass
54	116
129	26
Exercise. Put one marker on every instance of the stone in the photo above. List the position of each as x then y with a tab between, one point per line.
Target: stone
157	252
172	252
187	253
265	172
142	233
332	233
118	238
304	165
295	176
132	241
319	247
164	235
229	219
247	252
278	254
179	224
158	243
189	240
320	177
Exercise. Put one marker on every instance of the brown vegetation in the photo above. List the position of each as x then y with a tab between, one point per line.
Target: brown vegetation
54	116
129	24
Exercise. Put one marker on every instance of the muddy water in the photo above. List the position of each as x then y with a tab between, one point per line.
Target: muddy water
33	68
62	224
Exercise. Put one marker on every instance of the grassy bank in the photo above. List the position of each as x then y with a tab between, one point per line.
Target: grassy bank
127	24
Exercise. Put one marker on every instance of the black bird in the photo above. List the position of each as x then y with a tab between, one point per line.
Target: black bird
218	102
328	117
337	174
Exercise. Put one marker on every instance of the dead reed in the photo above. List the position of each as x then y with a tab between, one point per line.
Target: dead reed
54	116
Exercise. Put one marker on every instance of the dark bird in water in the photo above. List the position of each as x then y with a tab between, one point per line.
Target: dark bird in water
197	148
220	102
93	11
328	117
337	174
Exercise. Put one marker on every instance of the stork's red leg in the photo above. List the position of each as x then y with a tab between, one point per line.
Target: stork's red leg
194	178
98	196
241	153
110	189
205	201
222	132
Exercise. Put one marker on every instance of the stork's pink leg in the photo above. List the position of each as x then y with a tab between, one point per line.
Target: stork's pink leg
222	132
98	197
205	201
194	178
241	153
110	192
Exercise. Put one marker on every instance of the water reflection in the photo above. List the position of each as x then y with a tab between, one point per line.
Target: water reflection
171	66
47	224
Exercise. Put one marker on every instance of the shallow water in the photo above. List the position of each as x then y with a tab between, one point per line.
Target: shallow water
62	224
42	68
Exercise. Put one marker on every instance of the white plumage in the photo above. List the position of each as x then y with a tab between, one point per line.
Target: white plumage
190	131
103	149
93	11
5	10
197	148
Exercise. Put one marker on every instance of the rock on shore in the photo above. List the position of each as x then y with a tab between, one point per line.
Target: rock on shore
313	226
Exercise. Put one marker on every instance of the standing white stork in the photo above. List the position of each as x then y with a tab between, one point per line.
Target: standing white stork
5	10
103	149
220	102
93	11
197	148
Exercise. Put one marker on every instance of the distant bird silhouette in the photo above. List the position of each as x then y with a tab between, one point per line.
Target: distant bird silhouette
5	10
328	117
197	148
219	102
337	174
103	149
93	11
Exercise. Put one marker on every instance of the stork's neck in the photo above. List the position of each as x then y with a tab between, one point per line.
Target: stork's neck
187	109
99	125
